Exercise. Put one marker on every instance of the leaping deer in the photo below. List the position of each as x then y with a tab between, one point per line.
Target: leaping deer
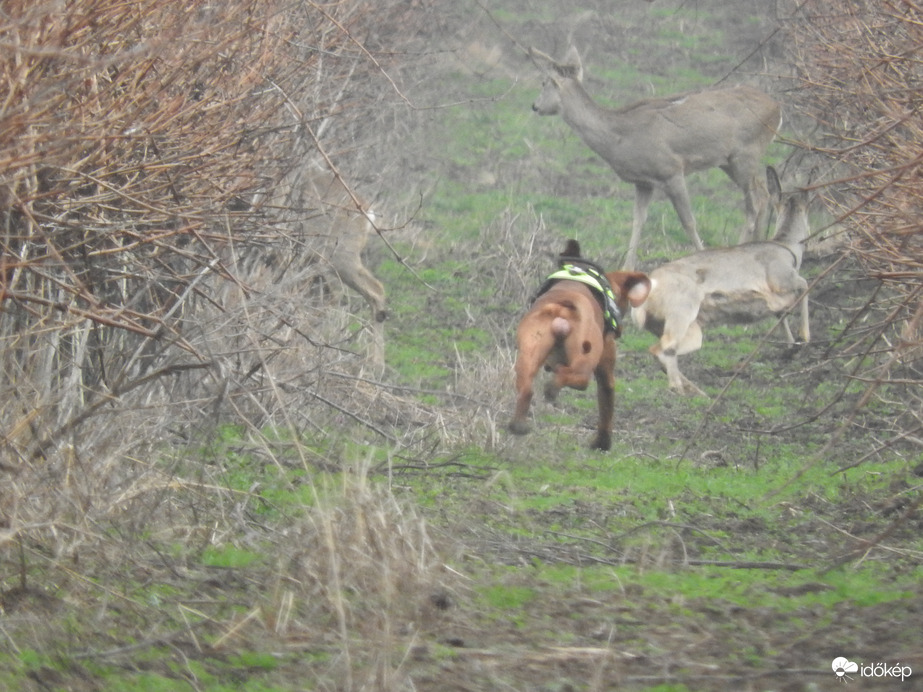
732	285
326	227
654	143
341	230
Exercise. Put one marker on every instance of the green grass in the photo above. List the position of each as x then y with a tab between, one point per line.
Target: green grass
507	598
229	556
783	591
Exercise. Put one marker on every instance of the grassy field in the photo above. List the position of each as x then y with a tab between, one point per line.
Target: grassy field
738	542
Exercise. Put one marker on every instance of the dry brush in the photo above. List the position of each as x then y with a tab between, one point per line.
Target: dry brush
857	68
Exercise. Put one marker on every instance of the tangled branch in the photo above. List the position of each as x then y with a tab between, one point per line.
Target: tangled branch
859	66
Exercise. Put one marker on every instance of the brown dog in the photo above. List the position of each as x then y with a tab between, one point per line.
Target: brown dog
566	331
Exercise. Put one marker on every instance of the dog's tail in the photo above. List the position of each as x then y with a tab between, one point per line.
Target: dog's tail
562	323
560	327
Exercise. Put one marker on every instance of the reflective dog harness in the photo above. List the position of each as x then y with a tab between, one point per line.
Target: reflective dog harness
587	274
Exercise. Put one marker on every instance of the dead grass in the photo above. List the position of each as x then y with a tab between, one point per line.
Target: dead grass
365	563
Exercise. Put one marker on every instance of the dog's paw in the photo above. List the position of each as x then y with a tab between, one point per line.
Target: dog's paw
551	391
520	427
603	442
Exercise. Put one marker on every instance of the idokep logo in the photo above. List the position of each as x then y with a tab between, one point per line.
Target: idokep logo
842	667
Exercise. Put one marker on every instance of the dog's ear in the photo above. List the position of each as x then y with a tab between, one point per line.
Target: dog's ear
632	287
571	249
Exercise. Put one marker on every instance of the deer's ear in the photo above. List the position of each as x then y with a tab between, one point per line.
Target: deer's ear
773	184
633	286
542	60
571	64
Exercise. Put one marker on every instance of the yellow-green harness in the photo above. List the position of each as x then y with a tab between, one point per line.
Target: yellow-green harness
586	273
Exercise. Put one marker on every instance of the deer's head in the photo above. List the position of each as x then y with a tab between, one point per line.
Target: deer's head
557	75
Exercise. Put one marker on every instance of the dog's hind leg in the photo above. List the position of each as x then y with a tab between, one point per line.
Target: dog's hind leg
530	359
576	369
519	425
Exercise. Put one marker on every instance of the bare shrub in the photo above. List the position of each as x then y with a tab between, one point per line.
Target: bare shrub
145	144
857	72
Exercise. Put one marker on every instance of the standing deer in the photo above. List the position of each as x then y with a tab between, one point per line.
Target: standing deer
732	285
654	143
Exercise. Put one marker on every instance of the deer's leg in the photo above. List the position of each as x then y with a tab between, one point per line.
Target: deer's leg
346	258
363	282
786	291
377	349
789	337
804	329
756	197
678	194
670	347
805	321
679	383
643	194
801	288
752	181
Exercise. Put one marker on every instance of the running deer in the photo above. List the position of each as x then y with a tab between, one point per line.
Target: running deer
654	143
321	230
332	221
732	285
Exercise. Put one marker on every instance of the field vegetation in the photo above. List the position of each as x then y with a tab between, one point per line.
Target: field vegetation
212	487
